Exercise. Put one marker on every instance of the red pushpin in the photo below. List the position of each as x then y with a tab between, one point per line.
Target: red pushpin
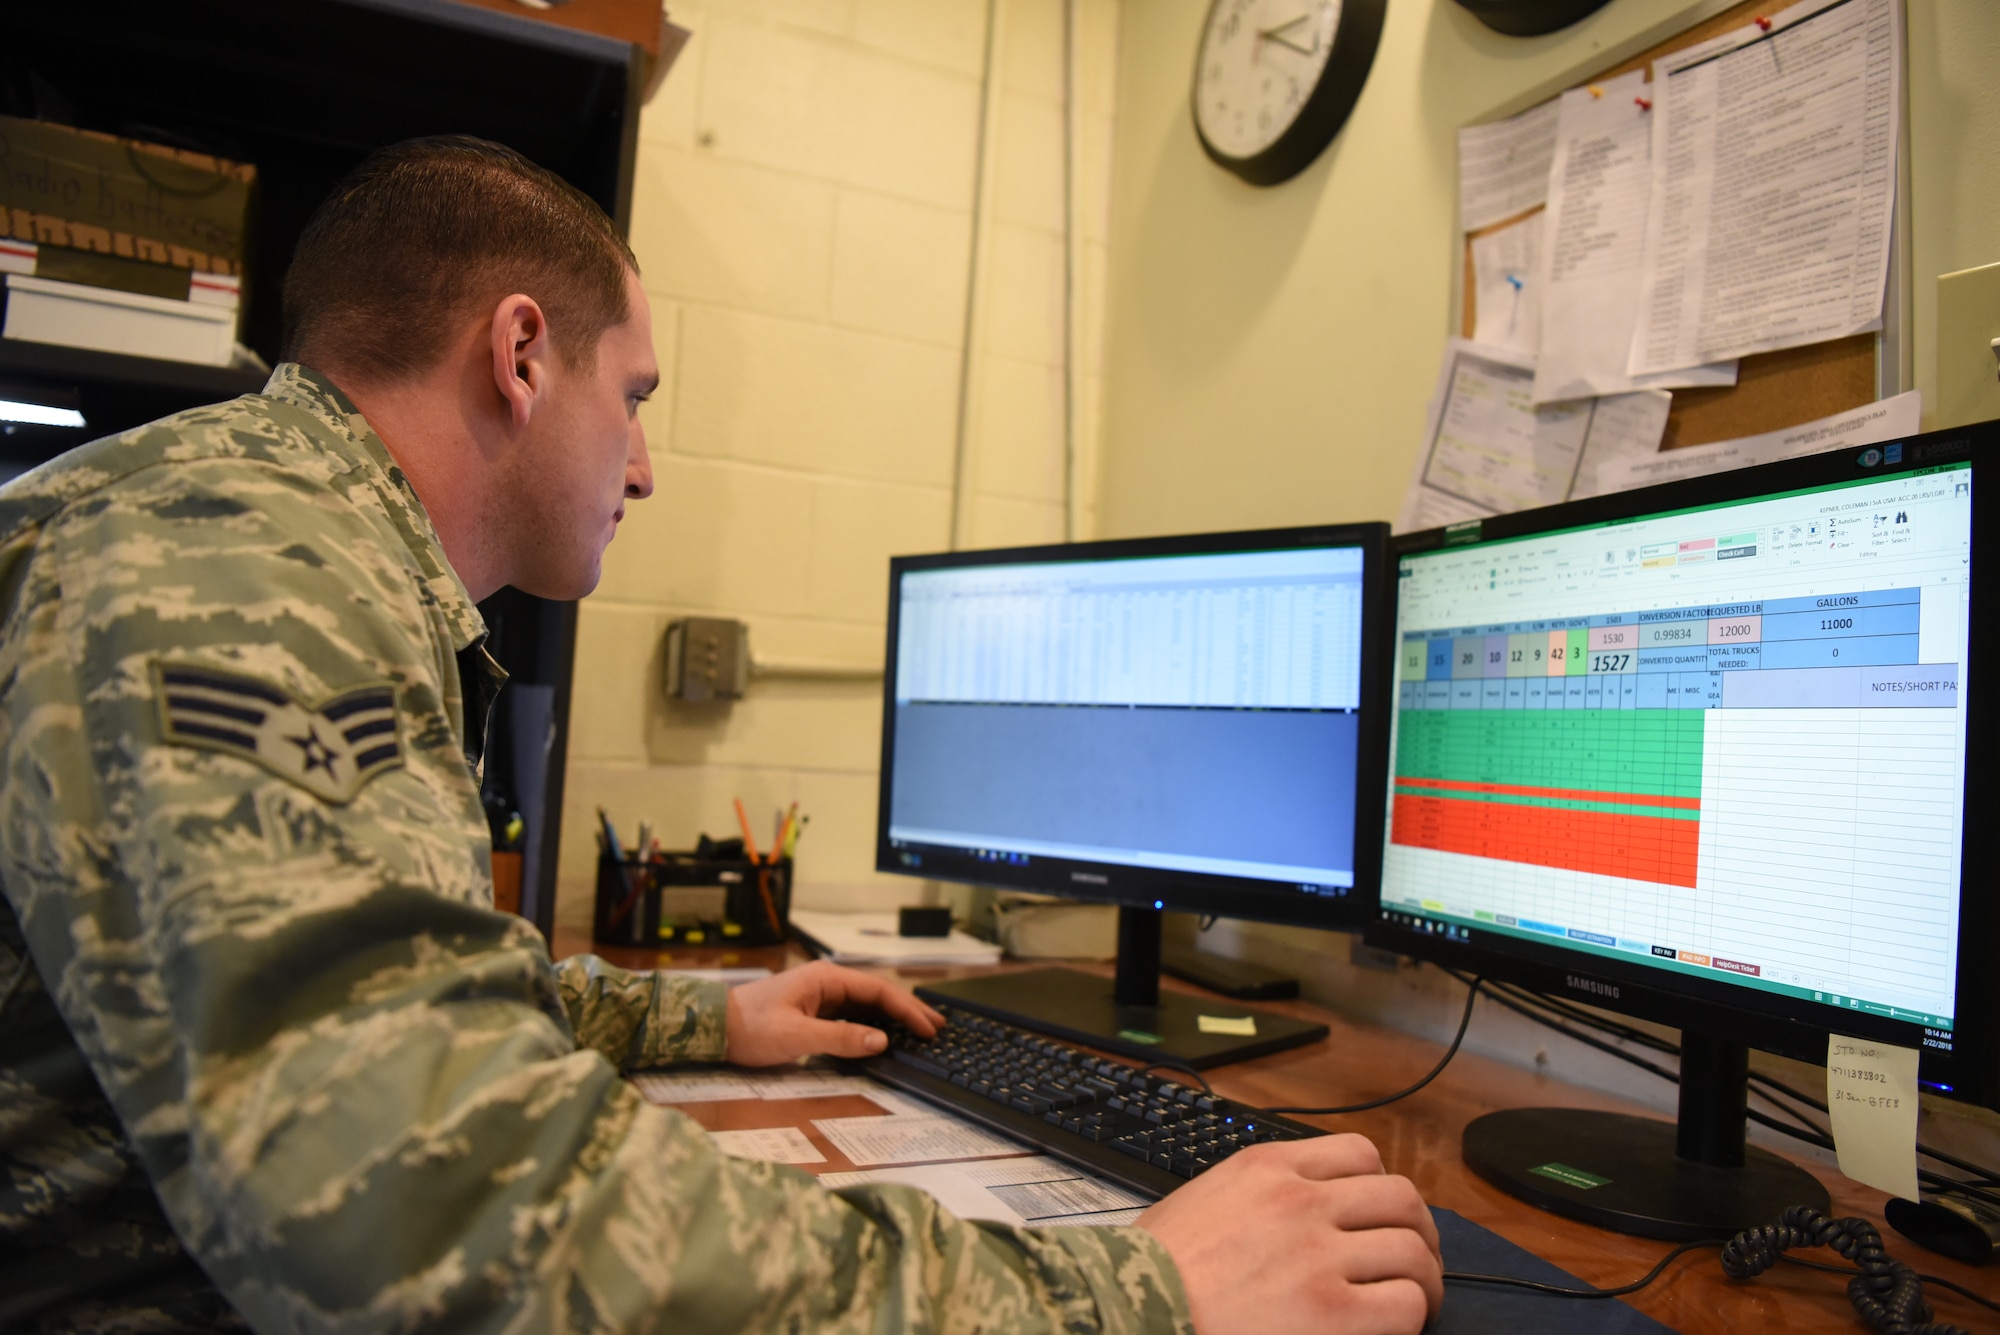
1644	105
1763	23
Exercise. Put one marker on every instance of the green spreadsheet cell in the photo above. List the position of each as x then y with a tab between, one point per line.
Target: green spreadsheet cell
1577	664
1653	752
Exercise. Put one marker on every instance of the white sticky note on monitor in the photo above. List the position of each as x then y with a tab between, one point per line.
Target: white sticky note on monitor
1871	1088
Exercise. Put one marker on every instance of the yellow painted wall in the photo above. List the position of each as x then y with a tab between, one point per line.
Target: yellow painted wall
1271	352
803	220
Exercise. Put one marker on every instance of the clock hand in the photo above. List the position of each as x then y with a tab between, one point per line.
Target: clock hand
1277	35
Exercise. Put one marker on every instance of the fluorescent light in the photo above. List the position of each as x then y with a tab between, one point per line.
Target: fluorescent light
39	414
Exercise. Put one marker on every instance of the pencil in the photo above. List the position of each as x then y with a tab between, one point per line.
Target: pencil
749	839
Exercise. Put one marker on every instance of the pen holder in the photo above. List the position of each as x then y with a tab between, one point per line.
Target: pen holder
679	899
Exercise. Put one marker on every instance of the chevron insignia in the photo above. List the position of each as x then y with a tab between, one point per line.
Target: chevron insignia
330	750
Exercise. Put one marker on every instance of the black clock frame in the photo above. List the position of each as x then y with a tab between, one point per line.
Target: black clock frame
1355	38
1531	18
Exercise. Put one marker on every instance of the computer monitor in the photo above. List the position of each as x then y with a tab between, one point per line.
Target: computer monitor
1705	754
1188	723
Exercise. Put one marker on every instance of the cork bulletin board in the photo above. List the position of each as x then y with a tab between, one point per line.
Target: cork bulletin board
1773	389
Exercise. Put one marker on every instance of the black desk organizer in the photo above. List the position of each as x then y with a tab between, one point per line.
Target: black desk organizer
680	899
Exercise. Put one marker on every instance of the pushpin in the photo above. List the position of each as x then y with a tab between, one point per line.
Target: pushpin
1763	23
1595	91
1644	105
1516	282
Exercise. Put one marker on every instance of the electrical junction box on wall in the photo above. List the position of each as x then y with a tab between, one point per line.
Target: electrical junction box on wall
1968	320
708	658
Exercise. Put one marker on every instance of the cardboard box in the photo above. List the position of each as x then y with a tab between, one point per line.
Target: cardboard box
123	197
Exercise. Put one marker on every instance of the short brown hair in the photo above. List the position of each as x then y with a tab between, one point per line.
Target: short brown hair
425	233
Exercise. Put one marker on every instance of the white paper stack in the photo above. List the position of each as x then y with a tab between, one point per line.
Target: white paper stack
871	938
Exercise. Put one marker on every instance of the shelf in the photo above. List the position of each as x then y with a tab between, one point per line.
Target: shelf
87	366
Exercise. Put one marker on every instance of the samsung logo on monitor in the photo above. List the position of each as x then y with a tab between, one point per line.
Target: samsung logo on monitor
1090	877
1592	986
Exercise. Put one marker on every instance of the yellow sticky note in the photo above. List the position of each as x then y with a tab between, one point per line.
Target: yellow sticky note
1243	1025
1871	1090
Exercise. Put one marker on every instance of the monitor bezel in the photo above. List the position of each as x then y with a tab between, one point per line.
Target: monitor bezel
1140	887
1793	1028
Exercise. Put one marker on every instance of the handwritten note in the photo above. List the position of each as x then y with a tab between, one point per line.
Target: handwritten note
1871	1088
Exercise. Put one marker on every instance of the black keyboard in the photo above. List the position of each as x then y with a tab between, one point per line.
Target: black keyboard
1147	1132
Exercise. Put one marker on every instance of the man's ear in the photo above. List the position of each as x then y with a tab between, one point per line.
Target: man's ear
521	351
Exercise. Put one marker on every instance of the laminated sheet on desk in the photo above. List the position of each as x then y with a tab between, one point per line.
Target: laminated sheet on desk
1041	1191
907	1138
708	1084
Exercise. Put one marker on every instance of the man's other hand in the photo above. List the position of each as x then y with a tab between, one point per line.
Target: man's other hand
784	1017
1302	1235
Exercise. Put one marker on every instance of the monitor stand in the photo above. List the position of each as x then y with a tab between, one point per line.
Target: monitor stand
1127	1015
1679	1181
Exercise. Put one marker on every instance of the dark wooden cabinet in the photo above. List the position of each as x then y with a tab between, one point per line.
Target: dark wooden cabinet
305	89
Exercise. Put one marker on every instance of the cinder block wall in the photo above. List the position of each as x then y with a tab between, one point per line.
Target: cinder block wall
804	219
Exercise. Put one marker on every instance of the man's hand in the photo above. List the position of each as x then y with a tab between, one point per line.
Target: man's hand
1302	1235
781	1018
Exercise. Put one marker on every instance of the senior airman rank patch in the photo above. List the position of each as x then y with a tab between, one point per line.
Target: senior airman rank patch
330	750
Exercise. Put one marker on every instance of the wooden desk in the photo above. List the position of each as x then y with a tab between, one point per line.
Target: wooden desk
1419	1137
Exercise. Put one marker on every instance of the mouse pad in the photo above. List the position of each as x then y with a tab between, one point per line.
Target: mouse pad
1472	1308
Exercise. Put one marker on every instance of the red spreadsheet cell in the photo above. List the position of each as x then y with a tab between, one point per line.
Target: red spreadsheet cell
1660	849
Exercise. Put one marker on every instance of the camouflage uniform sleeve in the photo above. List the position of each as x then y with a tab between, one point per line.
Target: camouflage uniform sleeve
642	1019
353	1085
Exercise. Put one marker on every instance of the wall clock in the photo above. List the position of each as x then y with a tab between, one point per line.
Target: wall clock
1276	79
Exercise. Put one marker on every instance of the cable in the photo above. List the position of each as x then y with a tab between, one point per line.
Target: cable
1557	1291
1942	1283
1521	1001
1886	1293
1464	1022
1183	1068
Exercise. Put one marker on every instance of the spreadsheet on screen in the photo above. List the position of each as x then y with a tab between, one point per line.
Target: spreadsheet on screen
1727	742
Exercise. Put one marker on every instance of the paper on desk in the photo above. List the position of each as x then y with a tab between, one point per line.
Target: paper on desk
1872	423
872	938
1038	1191
776	1144
911	1138
1507	286
694	1086
1503	168
1871	1091
1489	450
709	1085
733	977
1774	182
1588	279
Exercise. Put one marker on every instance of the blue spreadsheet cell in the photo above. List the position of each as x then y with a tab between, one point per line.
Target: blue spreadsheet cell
1898	619
1872	651
1839	602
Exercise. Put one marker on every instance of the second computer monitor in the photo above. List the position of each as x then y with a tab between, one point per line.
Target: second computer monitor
1175	723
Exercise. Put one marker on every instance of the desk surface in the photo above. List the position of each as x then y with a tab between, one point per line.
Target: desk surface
1419	1137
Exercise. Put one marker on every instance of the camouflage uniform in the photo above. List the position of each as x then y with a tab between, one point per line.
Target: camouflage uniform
267	1055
